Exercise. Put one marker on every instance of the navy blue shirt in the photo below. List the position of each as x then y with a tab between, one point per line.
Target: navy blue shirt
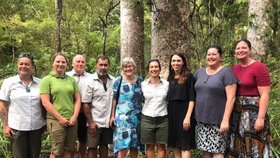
211	95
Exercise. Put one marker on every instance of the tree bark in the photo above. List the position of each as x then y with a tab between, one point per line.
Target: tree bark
58	9
258	27
132	32
169	31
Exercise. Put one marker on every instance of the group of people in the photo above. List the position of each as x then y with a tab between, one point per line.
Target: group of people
221	111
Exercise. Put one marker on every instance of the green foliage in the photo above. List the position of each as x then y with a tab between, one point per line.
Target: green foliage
216	22
273	36
9	70
274	110
32	30
5	148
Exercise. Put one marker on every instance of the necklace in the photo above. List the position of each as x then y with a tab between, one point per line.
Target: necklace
27	86
211	73
242	70
208	76
27	89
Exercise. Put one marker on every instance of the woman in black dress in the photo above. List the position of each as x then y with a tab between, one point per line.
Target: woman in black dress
181	97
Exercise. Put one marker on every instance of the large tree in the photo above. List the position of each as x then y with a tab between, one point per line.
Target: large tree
258	26
169	30
132	32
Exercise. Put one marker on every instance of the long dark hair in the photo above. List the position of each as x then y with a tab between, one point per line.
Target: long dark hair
183	73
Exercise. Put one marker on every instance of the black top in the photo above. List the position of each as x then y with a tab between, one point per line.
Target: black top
180	92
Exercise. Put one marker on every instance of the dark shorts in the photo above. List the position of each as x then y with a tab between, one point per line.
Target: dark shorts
154	130
82	128
104	136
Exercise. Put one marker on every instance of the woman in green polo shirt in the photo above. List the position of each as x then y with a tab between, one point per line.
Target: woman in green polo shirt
61	98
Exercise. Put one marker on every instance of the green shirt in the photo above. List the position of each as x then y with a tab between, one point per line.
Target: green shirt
62	93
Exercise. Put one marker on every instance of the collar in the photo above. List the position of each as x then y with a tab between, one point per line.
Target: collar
34	79
149	80
54	75
95	76
73	73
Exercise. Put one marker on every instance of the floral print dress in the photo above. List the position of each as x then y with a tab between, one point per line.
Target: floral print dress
127	115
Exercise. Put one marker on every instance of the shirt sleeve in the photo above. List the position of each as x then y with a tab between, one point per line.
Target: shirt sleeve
229	78
191	87
45	86
262	75
116	86
76	87
5	91
86	91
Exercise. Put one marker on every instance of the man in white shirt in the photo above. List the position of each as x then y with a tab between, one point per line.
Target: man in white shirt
78	72
97	95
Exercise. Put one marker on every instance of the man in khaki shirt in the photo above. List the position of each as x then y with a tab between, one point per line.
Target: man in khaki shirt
97	95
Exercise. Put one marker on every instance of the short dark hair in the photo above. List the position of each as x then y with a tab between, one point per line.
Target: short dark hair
246	41
219	49
102	58
156	60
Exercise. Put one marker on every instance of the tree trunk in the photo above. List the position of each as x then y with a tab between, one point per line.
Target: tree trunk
169	31
132	32
258	27
58	9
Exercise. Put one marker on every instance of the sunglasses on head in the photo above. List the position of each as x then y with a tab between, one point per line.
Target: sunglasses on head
29	56
153	60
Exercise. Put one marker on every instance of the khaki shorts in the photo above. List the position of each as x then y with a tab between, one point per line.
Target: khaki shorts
62	138
104	136
154	130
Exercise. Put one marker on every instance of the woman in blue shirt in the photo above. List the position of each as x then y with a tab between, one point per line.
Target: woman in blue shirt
215	88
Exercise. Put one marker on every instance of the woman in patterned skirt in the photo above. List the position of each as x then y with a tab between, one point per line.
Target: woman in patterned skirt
215	88
250	133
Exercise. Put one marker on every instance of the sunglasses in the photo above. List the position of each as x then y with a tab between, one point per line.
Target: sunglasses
29	56
153	60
